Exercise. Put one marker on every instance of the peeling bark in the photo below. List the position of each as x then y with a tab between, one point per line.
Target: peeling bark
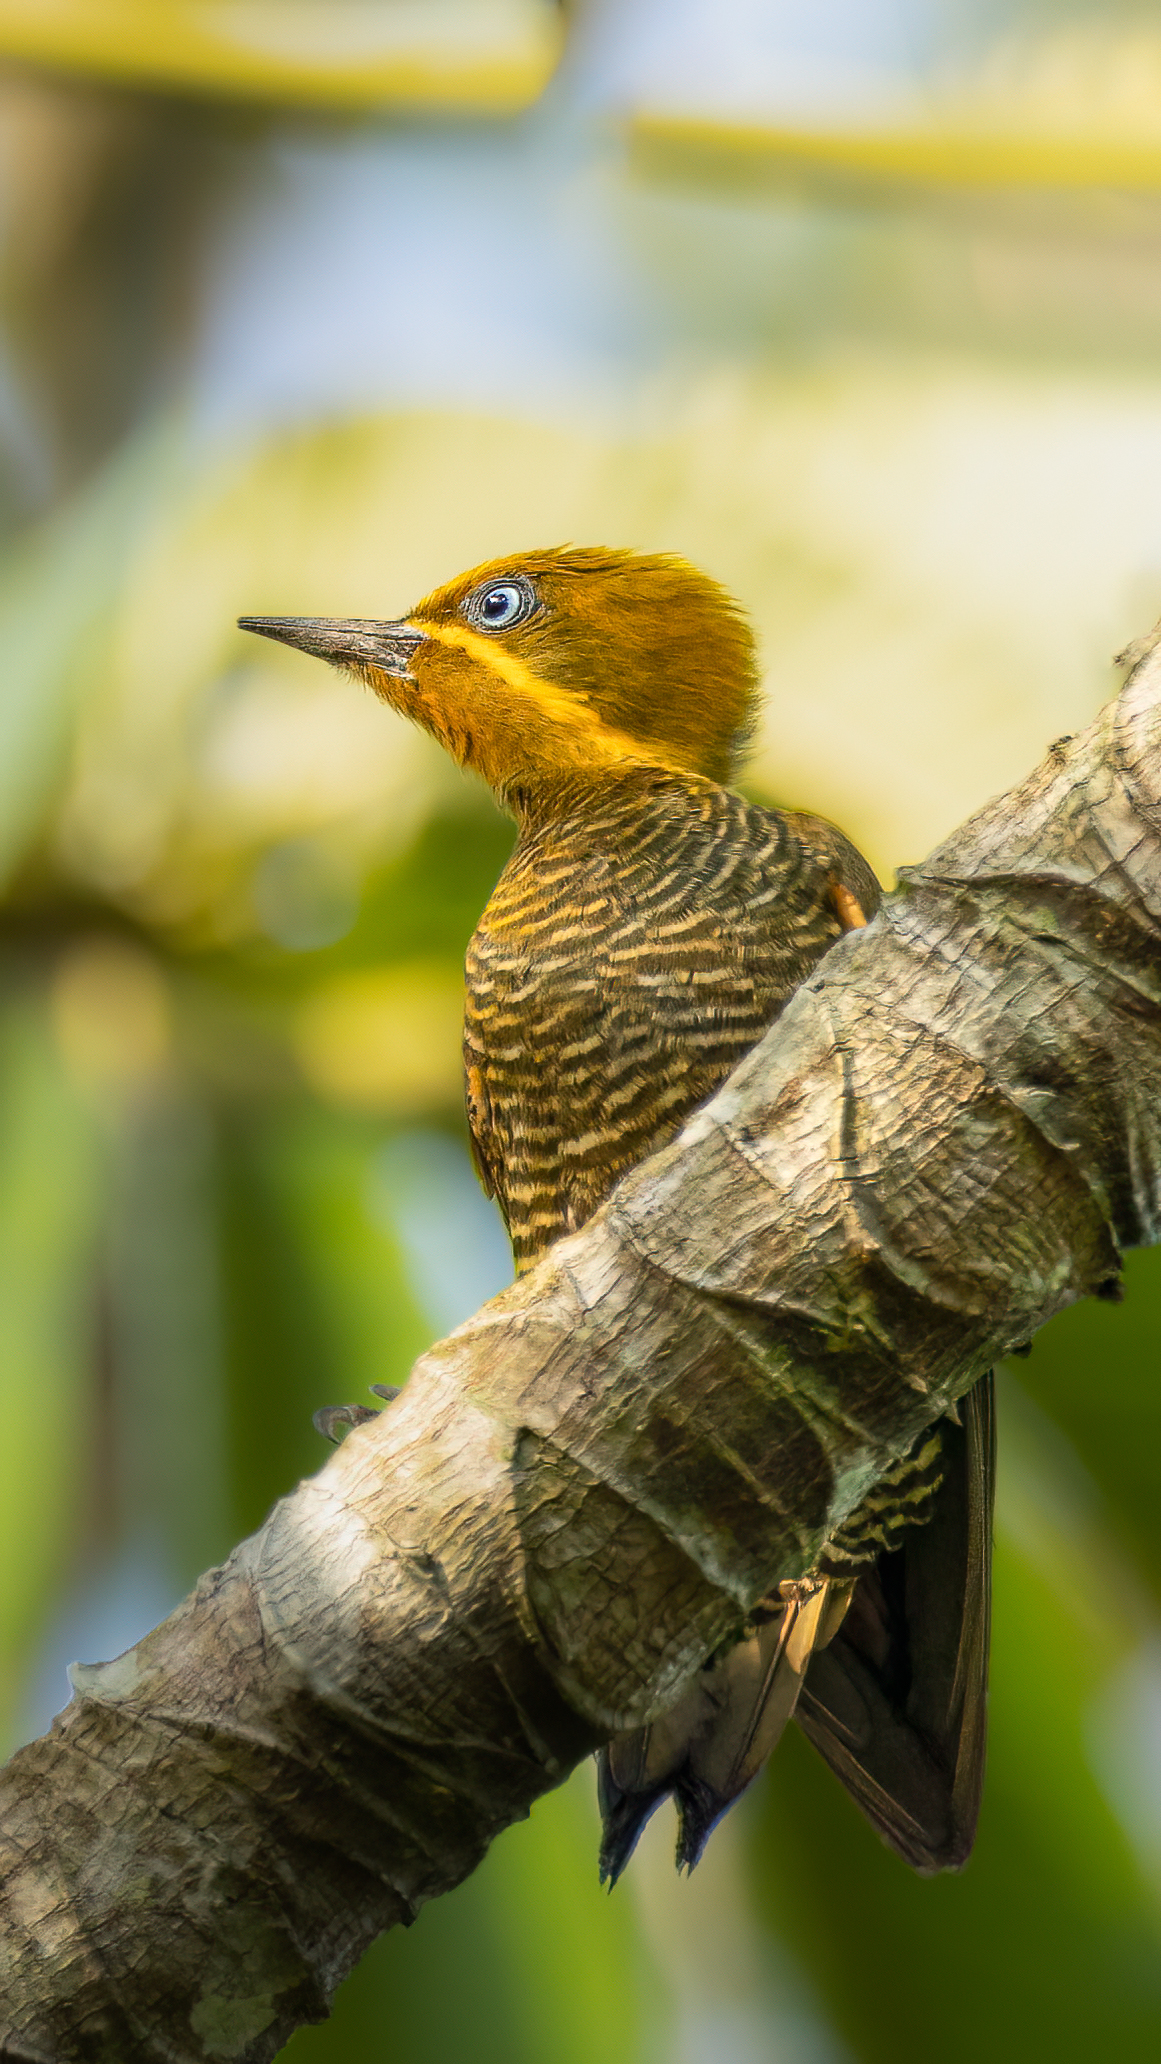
950	1134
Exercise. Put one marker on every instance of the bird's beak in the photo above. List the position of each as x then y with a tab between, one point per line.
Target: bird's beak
354	641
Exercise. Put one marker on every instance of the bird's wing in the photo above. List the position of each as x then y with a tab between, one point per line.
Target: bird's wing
897	1703
853	888
477	1104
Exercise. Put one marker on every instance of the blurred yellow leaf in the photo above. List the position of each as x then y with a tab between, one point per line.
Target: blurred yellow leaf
1074	107
110	1013
929	156
937	558
384	1039
482	56
55	591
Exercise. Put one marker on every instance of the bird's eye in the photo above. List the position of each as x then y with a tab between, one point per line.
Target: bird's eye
501	604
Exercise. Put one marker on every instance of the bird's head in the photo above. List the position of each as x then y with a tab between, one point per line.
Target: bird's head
559	663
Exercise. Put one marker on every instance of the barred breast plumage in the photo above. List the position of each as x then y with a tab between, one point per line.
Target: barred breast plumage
633	950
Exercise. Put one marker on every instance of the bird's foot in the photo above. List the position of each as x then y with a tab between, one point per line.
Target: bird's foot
334	1422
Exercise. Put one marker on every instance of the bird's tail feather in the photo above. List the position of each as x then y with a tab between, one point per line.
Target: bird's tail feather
893	1691
713	1743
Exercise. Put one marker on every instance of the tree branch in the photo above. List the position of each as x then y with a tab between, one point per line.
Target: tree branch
949	1135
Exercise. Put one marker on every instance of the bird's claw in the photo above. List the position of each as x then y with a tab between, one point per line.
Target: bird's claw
335	1421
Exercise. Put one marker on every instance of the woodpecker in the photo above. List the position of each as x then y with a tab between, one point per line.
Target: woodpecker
648	927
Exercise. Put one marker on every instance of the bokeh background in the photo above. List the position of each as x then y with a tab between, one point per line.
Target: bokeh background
305	306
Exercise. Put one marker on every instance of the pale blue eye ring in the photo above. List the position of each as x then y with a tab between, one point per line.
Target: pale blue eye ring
500	604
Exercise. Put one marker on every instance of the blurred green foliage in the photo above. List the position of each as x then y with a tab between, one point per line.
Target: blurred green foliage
917	427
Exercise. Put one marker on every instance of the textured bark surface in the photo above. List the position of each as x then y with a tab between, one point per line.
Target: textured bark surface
949	1135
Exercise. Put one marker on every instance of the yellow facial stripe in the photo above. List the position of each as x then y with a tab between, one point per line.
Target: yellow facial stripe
571	712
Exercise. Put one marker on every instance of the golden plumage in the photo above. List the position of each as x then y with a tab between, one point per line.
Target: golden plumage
648	927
